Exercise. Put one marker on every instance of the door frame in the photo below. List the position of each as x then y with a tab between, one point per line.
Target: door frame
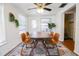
64	21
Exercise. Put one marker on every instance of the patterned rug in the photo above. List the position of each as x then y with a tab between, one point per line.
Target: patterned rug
55	50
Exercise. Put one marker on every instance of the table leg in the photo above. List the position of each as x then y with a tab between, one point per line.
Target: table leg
45	48
35	44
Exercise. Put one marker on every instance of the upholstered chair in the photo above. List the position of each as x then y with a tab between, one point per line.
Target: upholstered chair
53	41
55	38
25	40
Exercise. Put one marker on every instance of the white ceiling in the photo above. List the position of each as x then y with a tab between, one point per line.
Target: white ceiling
25	6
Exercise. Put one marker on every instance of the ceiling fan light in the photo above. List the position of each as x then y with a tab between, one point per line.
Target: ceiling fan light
40	10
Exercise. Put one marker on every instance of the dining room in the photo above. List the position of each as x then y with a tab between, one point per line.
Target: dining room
36	30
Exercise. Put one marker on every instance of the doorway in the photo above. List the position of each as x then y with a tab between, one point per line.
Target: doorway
69	22
69	28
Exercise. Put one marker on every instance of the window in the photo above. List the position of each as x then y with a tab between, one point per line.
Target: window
44	24
2	26
22	22
34	25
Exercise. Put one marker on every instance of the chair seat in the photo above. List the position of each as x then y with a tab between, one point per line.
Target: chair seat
28	42
55	38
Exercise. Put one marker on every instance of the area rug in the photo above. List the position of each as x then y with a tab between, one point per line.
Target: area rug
55	50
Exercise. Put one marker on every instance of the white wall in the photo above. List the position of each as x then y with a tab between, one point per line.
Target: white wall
12	33
77	30
60	25
60	20
38	19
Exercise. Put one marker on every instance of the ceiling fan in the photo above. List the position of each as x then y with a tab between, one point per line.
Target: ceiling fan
41	6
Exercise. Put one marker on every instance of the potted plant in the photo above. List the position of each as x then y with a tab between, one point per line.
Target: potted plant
51	25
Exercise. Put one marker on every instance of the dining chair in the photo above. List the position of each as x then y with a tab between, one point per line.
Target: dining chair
25	40
54	38
53	41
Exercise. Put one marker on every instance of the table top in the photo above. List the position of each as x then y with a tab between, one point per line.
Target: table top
40	35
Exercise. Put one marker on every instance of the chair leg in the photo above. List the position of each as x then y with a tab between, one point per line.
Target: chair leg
26	45
23	45
22	50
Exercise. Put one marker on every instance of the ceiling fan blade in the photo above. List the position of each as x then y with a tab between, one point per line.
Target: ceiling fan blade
48	9
63	5
48	4
35	4
31	8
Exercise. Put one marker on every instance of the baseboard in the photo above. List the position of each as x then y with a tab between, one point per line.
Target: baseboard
12	49
76	53
3	43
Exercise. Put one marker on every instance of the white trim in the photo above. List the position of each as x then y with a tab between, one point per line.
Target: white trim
3	33
3	43
76	52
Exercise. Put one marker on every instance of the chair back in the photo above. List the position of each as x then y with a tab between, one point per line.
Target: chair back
25	37
55	38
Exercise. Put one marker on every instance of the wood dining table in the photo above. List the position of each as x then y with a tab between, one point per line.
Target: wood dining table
40	36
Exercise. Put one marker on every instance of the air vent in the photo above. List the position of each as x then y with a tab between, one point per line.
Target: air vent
63	5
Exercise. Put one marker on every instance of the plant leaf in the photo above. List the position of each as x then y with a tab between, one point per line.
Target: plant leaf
16	22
